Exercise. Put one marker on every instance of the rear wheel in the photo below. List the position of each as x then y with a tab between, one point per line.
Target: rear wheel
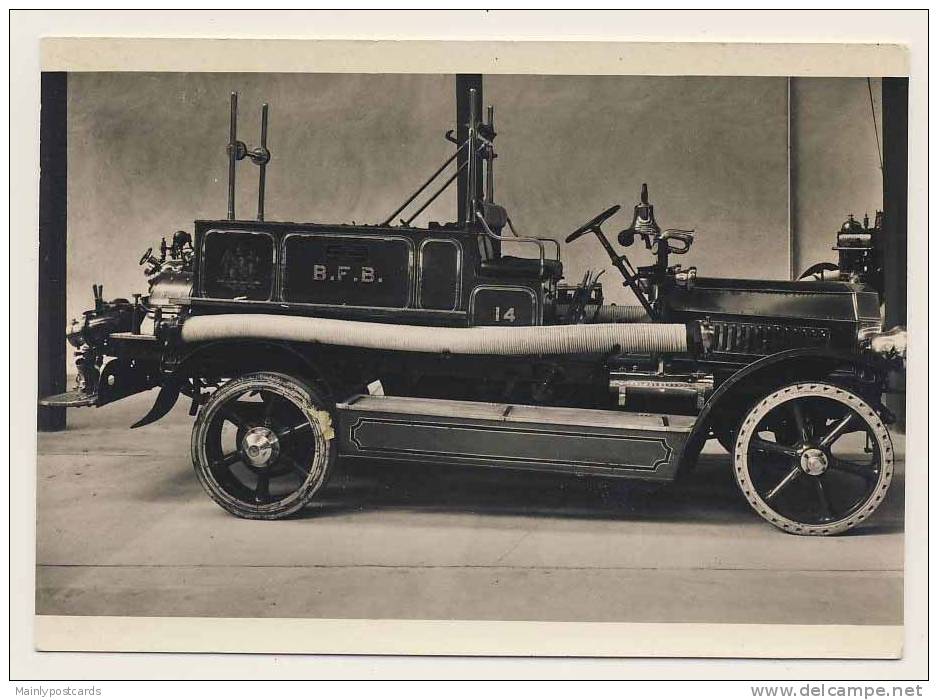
813	459
262	446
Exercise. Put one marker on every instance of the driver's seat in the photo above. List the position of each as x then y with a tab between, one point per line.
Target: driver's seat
494	264
513	266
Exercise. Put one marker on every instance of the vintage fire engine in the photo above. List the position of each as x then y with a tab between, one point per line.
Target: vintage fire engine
299	344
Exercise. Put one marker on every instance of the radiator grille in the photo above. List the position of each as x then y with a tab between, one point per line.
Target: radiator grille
765	339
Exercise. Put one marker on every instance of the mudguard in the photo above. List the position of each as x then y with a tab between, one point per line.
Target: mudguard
178	382
810	360
164	403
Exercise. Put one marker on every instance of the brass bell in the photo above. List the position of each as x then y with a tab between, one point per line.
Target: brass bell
643	223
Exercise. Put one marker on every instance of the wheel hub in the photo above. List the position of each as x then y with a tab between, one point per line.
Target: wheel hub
813	461
260	446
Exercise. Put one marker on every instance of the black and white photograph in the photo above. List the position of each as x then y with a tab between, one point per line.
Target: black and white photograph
480	346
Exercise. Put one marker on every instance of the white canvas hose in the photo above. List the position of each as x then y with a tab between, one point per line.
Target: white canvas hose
489	340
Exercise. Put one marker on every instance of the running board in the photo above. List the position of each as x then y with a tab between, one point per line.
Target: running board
541	438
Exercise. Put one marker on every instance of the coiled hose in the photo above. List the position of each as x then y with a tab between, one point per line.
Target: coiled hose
610	313
490	340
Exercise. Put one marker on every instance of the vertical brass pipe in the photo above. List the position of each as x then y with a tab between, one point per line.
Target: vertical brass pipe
473	155
262	177
464	81
232	154
490	160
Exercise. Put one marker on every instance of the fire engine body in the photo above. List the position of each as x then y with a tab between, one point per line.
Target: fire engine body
298	344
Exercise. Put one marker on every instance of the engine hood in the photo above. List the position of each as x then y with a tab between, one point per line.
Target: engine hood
169	286
817	301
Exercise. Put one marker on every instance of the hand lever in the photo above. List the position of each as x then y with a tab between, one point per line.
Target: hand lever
622	264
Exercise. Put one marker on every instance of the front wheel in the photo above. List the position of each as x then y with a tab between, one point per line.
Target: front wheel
263	445
813	459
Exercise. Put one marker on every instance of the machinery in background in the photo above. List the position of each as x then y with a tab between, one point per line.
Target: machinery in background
859	254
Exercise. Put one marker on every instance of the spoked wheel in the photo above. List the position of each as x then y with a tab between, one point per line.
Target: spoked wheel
813	459
263	446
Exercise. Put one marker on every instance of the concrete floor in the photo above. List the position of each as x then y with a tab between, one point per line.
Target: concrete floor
125	529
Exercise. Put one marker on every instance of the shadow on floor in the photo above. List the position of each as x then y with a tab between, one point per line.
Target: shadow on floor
708	494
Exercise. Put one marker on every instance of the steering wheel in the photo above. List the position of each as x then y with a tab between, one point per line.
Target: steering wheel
593	223
146	256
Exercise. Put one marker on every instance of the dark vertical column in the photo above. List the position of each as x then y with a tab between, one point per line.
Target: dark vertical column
895	196
53	147
465	83
794	232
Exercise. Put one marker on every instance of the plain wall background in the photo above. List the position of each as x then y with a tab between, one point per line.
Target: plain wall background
835	167
147	157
